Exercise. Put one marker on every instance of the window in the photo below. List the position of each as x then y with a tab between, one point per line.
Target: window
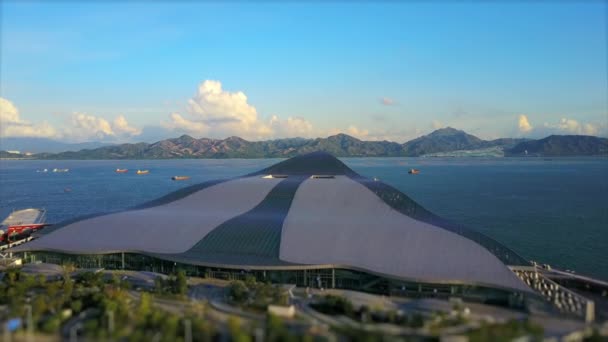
275	176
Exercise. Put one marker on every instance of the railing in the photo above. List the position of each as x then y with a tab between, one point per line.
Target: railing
562	298
13	244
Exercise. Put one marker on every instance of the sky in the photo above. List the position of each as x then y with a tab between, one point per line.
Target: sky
145	71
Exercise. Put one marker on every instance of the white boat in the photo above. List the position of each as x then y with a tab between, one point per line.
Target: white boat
22	223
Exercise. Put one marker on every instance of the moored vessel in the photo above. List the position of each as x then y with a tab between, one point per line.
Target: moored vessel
22	223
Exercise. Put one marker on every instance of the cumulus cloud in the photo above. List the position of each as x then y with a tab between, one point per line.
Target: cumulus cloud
83	126
353	131
563	126
436	124
180	123
387	101
291	127
8	112
122	127
79	127
216	112
11	124
523	124
357	132
86	126
572	126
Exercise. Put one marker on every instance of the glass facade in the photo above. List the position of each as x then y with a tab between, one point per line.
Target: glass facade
304	277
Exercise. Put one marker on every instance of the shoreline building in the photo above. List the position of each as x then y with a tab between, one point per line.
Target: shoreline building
310	221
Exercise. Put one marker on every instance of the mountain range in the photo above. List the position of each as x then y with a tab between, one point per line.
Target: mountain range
561	145
341	145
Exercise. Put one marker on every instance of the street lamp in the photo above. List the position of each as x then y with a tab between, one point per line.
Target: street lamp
30	323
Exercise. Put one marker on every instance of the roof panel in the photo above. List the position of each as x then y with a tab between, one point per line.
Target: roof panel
340	221
170	228
255	233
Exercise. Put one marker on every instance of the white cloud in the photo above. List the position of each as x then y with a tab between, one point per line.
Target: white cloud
353	131
572	126
292	127
215	112
11	124
523	124
122	127
563	126
180	123
436	124
80	126
8	112
83	126
387	101
357	132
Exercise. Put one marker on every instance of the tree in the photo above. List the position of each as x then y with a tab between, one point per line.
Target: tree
181	283
236	332
158	285
238	291
76	306
145	306
39	306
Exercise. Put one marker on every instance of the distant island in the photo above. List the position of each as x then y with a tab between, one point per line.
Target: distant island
445	142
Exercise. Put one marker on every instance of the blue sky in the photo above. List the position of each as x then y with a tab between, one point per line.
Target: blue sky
151	70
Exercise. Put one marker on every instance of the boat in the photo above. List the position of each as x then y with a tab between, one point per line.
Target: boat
142	172
413	171
121	171
22	223
178	178
43	170
61	170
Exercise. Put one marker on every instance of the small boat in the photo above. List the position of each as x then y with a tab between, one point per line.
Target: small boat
178	178
413	171
121	171
143	172
61	170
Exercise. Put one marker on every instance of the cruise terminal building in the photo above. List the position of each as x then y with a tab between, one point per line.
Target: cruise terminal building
309	220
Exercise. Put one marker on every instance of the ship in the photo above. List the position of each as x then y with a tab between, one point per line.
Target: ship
142	172
121	170
413	171
61	170
22	223
179	178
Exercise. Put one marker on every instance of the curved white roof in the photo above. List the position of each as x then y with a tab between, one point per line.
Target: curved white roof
339	221
171	228
295	221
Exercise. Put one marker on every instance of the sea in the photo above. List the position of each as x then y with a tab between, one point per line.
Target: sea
553	211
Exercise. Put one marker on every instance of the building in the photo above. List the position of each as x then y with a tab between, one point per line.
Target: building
309	220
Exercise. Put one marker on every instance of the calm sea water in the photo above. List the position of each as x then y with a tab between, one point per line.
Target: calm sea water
552	211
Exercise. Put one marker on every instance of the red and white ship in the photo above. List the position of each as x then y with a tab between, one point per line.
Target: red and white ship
22	223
